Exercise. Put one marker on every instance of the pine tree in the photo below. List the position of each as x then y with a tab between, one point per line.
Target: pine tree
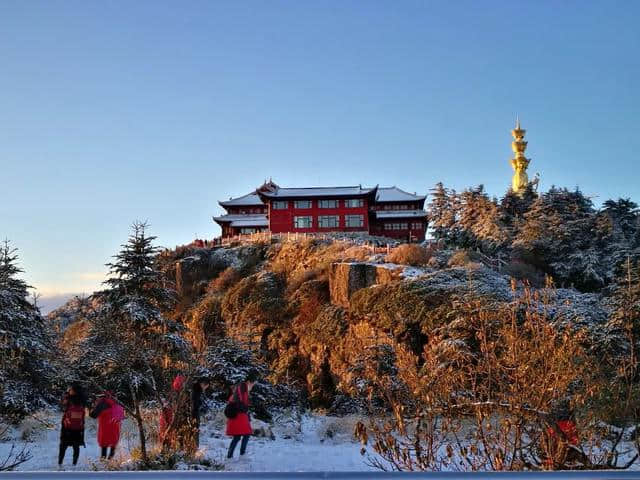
26	374
515	205
132	342
137	291
441	213
479	222
624	216
617	234
557	235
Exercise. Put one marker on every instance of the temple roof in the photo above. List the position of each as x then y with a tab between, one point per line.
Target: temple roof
272	191
243	220
250	199
394	194
390	214
355	191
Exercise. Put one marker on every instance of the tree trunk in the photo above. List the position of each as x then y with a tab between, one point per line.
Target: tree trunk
141	433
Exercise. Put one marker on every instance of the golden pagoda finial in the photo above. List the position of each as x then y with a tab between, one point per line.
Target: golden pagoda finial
519	162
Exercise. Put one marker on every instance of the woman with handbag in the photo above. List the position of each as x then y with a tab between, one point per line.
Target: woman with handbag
237	412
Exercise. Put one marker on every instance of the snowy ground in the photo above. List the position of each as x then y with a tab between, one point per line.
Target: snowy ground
304	446
293	443
310	443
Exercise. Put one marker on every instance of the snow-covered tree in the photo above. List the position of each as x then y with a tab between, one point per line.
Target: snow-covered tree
479	222
618	235
441	213
26	374
132	344
558	235
515	205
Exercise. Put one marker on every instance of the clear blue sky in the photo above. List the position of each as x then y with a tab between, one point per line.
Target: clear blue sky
117	110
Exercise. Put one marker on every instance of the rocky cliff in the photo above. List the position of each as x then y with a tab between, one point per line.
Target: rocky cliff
319	310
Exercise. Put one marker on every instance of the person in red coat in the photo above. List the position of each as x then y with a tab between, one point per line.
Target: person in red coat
109	414
239	427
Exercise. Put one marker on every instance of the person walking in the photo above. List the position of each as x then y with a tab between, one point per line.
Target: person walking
109	414
239	425
74	403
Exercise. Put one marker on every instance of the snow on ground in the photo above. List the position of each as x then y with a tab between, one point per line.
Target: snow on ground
312	443
307	449
42	436
306	443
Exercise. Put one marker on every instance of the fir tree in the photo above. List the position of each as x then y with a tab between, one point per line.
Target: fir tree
558	235
441	213
514	205
624	216
479	222
26	374
132	342
617	234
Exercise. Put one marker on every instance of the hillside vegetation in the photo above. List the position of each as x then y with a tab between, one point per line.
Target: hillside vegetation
517	306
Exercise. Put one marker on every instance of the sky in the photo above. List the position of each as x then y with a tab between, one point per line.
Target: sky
117	111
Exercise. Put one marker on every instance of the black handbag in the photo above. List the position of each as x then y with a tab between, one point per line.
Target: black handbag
234	407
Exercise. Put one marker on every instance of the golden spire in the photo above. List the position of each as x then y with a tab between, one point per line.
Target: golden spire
519	162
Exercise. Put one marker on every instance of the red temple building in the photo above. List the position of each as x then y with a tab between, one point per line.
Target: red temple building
384	211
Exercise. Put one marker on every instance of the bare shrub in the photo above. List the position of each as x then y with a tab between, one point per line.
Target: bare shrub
297	279
292	258
308	311
16	456
462	258
409	254
227	279
487	401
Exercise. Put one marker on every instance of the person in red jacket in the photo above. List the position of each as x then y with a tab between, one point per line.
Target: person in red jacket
109	414
239	427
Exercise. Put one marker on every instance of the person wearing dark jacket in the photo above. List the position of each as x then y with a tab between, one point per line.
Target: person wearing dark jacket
197	393
74	403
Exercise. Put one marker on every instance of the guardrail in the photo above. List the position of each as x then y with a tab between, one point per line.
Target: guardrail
166	475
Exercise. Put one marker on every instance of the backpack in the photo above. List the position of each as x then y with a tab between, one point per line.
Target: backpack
234	407
73	418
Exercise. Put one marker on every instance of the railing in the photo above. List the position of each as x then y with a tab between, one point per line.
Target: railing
294	236
166	475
